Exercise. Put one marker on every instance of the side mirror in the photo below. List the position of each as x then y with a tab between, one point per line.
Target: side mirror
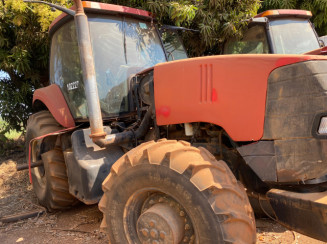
321	43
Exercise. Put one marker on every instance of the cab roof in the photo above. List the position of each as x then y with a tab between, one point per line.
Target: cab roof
282	13
96	7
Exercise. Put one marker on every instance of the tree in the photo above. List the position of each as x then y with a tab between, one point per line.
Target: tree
317	7
24	43
24	51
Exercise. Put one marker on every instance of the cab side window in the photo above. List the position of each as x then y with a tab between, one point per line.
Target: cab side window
254	41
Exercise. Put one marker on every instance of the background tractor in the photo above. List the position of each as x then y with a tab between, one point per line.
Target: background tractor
166	148
282	31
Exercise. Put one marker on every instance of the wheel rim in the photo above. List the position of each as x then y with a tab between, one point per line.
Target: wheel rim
153	217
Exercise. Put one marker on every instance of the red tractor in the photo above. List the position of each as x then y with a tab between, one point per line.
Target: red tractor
166	148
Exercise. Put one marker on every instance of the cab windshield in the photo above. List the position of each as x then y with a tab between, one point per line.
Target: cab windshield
293	36
122	47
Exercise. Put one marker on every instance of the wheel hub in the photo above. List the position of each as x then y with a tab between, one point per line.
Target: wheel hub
160	224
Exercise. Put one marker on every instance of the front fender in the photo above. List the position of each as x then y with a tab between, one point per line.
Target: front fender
52	97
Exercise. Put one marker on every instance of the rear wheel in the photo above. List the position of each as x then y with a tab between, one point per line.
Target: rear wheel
171	192
50	182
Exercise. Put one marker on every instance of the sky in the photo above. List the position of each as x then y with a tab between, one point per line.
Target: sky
3	74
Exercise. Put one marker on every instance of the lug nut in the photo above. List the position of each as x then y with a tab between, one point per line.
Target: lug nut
185	239
192	239
161	199
145	232
181	213
187	227
154	233
152	223
162	235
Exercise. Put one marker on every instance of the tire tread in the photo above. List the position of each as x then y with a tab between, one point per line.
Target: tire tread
219	184
57	189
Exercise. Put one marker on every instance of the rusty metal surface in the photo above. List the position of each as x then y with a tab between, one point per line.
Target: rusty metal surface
305	213
79	7
89	76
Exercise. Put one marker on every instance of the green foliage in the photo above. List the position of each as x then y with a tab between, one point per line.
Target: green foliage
24	43
317	7
24	52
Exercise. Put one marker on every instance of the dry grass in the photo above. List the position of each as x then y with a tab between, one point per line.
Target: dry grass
80	224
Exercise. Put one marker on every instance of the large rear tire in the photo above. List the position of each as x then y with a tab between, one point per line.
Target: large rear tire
50	182
170	192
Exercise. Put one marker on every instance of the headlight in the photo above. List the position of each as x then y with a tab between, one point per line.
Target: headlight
323	126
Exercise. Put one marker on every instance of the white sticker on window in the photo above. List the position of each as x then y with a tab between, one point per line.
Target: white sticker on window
72	86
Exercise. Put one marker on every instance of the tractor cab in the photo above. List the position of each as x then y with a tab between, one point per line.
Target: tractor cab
124	41
280	31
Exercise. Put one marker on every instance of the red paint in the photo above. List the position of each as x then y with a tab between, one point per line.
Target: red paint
107	8
53	99
239	80
214	95
289	60
319	51
116	8
285	12
164	111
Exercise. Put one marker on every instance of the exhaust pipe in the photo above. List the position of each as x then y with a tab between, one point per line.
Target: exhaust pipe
89	76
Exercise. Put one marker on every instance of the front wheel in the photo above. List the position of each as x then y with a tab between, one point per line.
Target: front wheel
170	192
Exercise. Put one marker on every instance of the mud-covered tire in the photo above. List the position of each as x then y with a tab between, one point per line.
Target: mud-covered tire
214	201
50	182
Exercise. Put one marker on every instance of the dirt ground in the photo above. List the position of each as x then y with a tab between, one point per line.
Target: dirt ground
80	224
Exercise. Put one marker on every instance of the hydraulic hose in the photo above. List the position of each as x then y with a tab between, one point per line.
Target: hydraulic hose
126	136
